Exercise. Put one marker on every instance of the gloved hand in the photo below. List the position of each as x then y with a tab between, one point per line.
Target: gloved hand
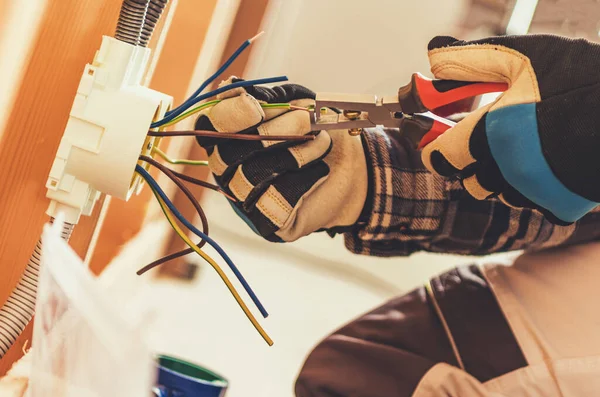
538	145
286	190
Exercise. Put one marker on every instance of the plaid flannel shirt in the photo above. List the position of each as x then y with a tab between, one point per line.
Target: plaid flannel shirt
410	209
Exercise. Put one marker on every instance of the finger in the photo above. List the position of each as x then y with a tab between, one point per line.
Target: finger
487	172
513	198
216	163
254	174
262	170
475	188
277	203
224	154
485	62
278	94
490	178
236	114
292	123
450	153
231	93
284	93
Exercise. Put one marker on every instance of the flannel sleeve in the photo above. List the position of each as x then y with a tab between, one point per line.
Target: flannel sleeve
409	209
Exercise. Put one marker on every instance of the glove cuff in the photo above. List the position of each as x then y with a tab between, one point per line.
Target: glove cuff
365	214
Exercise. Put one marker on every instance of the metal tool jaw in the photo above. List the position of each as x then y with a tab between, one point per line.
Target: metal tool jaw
357	111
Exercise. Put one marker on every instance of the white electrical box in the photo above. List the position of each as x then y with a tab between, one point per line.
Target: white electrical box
107	131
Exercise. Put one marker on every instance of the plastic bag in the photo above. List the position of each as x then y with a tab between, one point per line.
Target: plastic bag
84	345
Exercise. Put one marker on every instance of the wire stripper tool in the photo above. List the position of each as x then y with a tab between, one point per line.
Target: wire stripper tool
411	111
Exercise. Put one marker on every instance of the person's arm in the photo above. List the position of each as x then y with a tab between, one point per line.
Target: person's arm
410	209
378	191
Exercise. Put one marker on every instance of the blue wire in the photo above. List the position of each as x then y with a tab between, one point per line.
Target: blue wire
209	94
212	78
152	182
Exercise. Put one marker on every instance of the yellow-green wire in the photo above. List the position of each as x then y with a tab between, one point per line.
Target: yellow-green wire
275	105
178	161
213	103
215	266
192	111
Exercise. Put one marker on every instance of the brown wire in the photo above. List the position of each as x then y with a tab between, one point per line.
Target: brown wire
241	137
205	184
165	259
171	175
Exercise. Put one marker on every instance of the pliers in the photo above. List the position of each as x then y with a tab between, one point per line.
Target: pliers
405	111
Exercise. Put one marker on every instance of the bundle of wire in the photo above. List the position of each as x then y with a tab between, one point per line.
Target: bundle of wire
196	97
169	210
176	115
182	112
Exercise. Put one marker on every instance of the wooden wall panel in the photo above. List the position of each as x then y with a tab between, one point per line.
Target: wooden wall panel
70	32
17	20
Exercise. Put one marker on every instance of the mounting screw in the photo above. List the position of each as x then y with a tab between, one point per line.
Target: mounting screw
351	114
355	131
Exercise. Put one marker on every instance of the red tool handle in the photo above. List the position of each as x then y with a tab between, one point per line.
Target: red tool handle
437	129
423	94
422	129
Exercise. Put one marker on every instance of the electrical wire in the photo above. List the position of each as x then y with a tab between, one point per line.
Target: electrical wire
170	160
219	72
283	106
200	98
164	259
191	112
190	179
186	251
191	227
212	103
173	176
164	203
205	184
240	137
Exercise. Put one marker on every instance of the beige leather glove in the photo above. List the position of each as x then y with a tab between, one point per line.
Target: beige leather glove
536	146
285	190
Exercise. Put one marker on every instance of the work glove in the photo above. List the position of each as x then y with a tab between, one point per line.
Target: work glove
538	145
285	190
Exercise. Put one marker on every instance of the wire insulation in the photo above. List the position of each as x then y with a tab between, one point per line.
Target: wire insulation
190	112
210	94
212	103
192	228
222	275
205	184
239	137
219	71
164	259
212	78
170	160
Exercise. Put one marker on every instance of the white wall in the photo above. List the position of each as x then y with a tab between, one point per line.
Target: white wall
351	45
312	286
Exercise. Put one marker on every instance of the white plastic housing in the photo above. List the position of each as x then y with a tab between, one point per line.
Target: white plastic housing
106	132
